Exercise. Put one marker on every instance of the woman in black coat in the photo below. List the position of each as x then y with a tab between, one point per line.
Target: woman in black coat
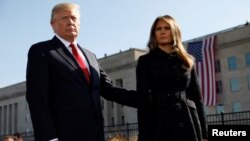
171	106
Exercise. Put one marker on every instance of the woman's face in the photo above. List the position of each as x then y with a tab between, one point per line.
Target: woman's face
163	34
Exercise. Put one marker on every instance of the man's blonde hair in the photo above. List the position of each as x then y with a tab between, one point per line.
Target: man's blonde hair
63	6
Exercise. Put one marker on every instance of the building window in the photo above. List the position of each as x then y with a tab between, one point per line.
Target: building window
217	66
119	83
15	116
248	59
27	106
232	63
113	121
123	119
5	118
102	104
27	117
248	81
236	107
1	123
10	118
218	87
112	105
220	109
235	85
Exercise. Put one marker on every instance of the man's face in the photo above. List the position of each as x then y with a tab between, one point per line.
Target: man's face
66	24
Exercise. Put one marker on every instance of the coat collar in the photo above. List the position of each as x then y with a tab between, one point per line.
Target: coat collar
159	53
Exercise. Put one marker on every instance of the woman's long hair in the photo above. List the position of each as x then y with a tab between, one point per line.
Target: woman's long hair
177	41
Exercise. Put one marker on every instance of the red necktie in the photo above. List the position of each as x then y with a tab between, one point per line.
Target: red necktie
76	52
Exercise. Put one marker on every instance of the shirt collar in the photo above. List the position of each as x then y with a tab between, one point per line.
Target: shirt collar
66	43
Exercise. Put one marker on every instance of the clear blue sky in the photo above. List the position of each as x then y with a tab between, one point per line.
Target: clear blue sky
107	26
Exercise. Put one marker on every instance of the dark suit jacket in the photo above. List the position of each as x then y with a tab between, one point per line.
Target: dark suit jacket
62	104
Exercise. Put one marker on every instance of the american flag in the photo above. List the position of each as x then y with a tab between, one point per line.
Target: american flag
203	52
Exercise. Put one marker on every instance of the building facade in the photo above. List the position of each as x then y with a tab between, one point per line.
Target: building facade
14	110
121	69
232	63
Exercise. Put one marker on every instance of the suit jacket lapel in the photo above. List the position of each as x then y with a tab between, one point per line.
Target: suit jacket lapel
95	78
89	59
68	57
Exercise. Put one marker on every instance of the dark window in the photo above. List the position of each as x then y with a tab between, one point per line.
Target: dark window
119	83
218	87
123	119
217	66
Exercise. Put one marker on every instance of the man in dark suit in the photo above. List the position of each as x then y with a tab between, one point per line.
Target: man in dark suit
63	93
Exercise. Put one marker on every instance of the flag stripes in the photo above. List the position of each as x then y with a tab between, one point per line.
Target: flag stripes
203	52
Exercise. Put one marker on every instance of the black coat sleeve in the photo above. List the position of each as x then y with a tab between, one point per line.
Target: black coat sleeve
117	94
144	98
194	94
37	94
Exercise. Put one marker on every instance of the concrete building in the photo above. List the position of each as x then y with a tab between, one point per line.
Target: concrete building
233	70
232	83
14	110
121	69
